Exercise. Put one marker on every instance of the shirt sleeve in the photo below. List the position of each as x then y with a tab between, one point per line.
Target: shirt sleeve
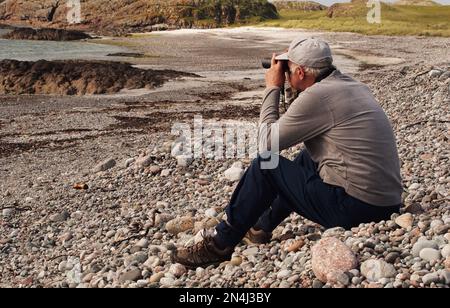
307	117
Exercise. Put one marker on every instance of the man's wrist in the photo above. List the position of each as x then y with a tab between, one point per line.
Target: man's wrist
272	87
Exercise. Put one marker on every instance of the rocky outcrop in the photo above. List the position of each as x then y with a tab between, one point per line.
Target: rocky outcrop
77	77
121	16
298	5
46	34
353	9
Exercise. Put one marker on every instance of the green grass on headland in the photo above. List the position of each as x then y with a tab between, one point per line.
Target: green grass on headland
395	20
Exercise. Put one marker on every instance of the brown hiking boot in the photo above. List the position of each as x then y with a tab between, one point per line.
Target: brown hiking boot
202	254
259	237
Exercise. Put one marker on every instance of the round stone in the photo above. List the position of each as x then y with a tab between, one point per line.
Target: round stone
430	254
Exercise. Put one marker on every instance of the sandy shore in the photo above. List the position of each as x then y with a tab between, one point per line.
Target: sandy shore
49	230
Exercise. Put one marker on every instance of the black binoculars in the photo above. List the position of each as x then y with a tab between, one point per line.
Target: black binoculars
267	63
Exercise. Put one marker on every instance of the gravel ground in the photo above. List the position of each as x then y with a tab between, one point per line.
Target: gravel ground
112	231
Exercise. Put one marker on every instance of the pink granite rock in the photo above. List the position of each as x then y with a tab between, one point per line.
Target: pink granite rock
330	255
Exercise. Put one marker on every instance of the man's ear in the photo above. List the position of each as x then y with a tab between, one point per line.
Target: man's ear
301	73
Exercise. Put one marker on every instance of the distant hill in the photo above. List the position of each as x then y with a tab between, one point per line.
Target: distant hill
352	9
137	15
417	2
298	5
431	20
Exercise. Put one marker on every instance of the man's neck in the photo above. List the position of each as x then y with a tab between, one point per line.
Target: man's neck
308	82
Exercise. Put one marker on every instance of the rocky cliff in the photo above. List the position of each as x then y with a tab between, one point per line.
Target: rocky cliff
135	15
298	5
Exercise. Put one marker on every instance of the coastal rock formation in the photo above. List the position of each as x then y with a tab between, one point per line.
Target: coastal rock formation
46	34
77	77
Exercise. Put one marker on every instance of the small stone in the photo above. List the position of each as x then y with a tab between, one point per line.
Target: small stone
317	284
447	263
423	225
165	173
446	277
283	274
167	282
252	251
143	162
392	257
234	174
384	281
415	278
446	251
356	280
405	221
177	270
314	237
199	272
143	243
296	246
129	162
211	212
8	212
435	73
41	275
374	285
61	217
155	170
110	234
184	161
442	229
156	277
152	262
236	261
132	275
142	283
77	215
66	236
62	266
338	278
374	270
431	277
136	259
430	254
333	232
417	248
414	186
80	186
179	225
105	165
436	223
331	255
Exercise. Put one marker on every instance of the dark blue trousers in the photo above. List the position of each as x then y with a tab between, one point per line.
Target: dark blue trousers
265	198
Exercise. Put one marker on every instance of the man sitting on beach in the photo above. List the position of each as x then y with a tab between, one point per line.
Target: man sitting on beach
348	174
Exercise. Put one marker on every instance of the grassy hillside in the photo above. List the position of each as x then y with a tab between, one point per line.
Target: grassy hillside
395	20
417	2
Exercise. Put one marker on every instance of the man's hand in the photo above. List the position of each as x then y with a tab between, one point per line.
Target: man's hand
275	76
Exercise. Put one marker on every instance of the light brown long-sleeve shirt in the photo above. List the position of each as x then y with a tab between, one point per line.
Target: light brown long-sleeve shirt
346	132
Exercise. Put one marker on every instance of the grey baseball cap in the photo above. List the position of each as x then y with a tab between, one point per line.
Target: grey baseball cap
310	52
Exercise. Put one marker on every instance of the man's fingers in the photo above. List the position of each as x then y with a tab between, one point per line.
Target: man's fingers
274	61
